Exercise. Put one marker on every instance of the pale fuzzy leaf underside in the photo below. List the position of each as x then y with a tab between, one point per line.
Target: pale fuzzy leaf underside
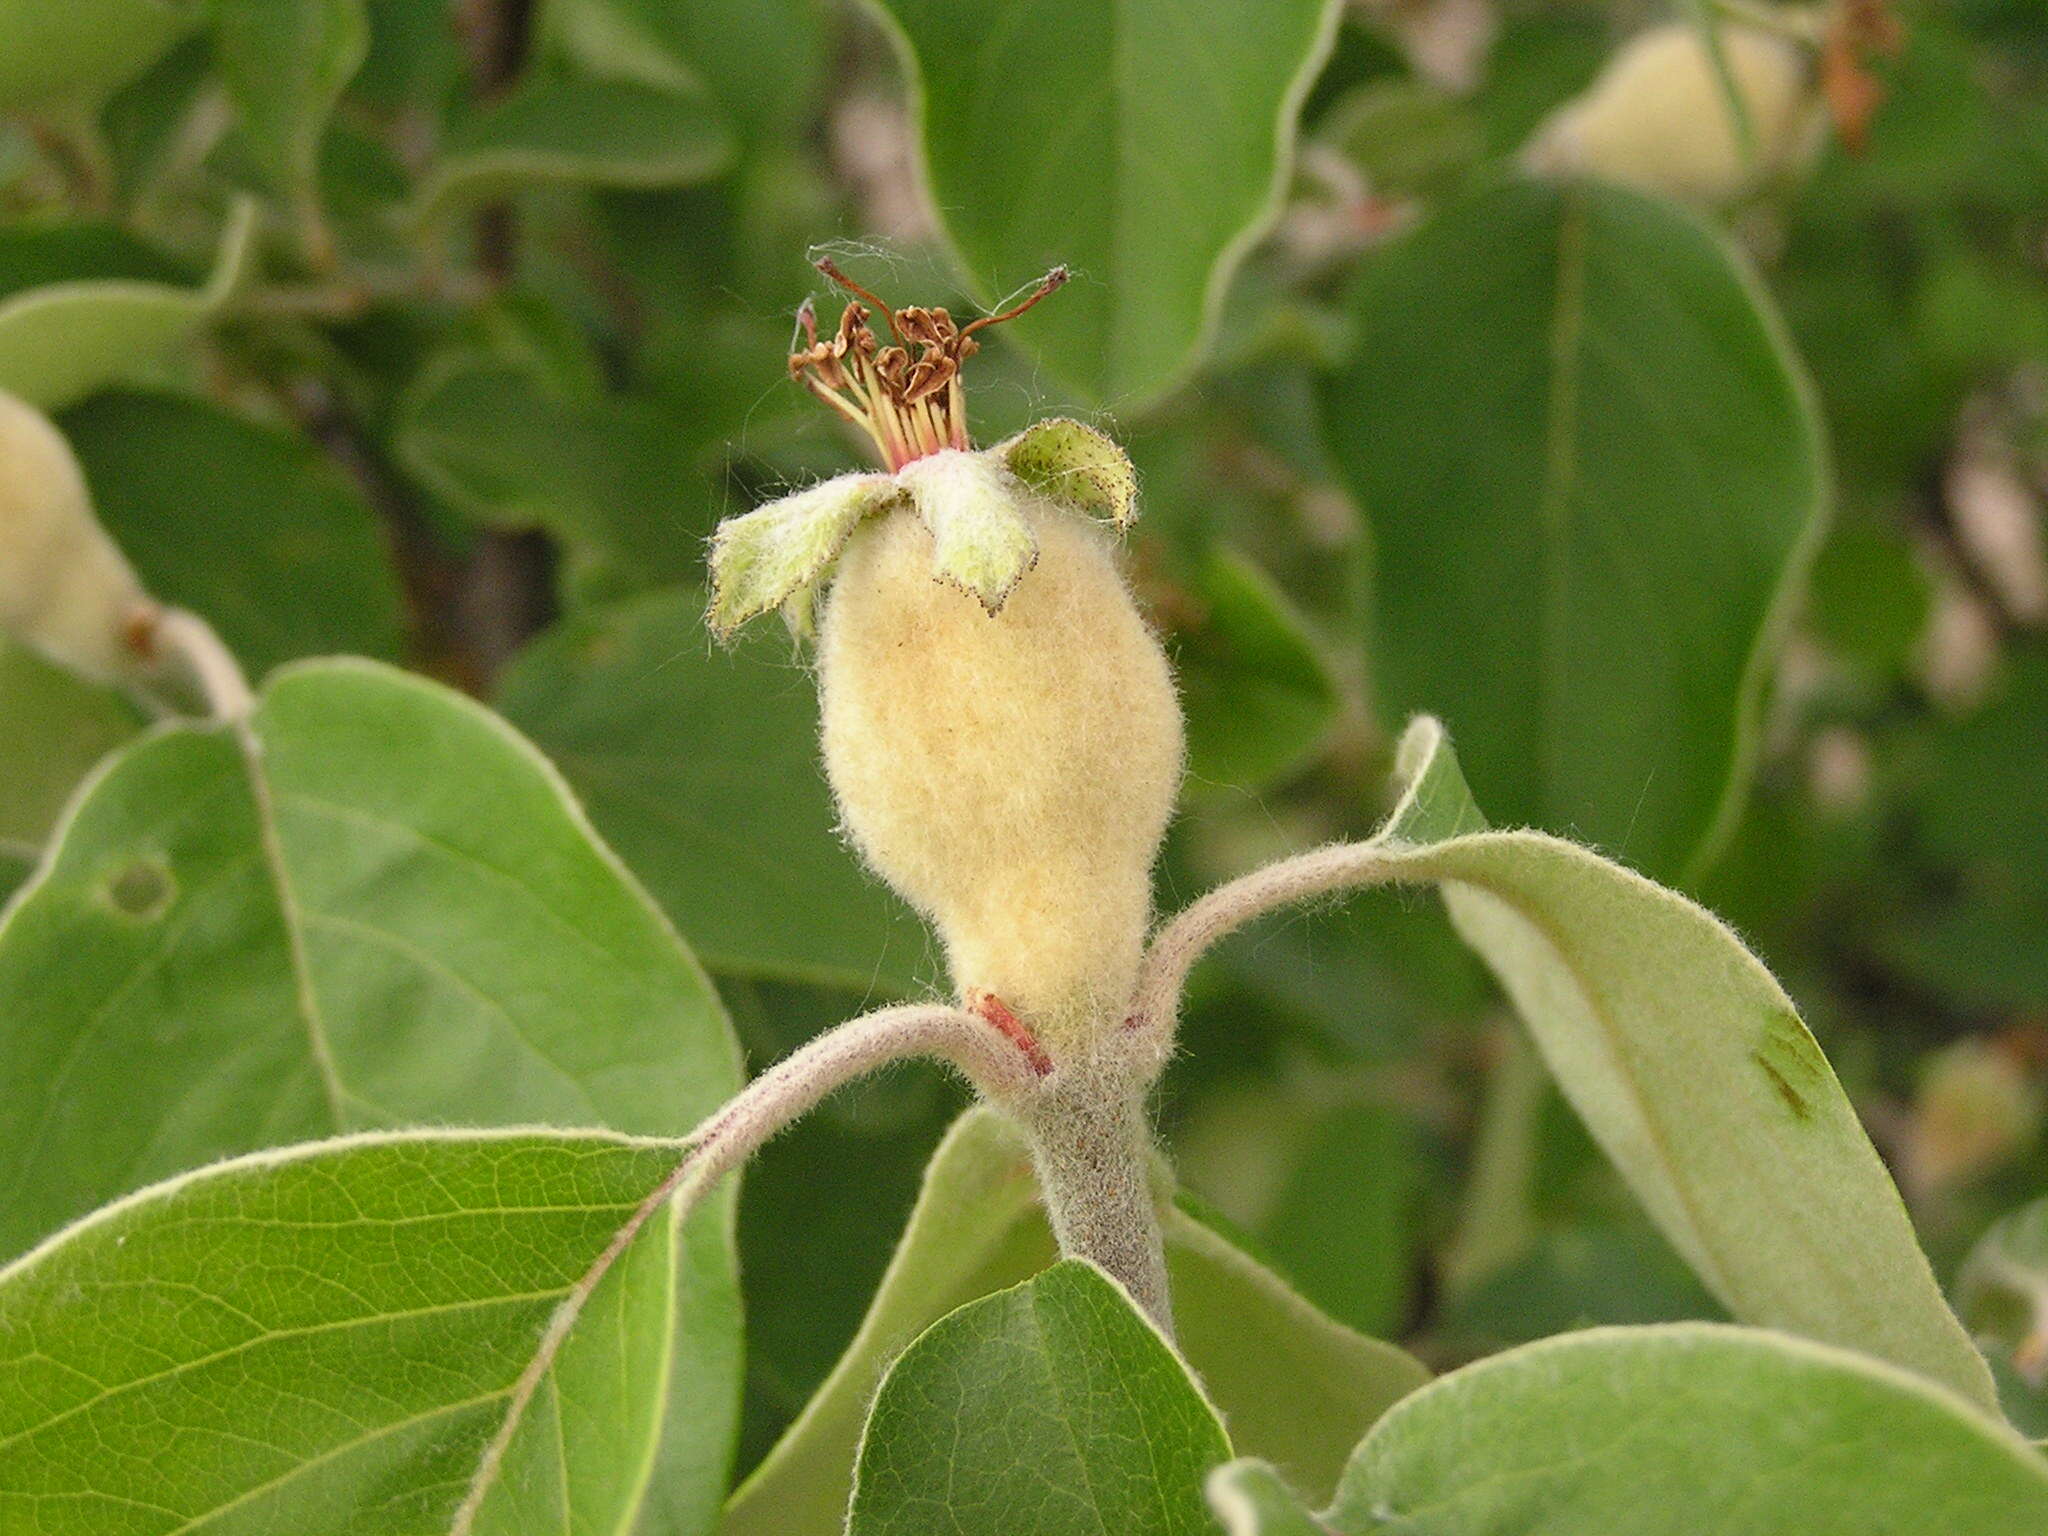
1251	1499
1681	1428
1692	1069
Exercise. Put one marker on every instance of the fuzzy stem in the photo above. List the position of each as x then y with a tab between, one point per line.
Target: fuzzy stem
1176	948
729	1136
211	664
1093	1149
967	1042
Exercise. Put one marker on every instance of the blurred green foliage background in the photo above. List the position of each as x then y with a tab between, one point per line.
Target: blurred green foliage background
446	332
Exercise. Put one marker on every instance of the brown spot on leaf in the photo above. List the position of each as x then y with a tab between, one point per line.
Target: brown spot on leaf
1788	1056
141	890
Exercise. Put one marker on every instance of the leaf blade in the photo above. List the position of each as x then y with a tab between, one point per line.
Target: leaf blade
274	1315
613	694
285	63
1596	478
61	341
368	782
1300	1399
1602	1430
1084	167
1692	1069
1051	1407
615	133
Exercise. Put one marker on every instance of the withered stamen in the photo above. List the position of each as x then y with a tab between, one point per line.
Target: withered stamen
907	397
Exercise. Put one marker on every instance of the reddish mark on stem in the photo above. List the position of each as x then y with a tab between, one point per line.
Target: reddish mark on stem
986	1005
138	631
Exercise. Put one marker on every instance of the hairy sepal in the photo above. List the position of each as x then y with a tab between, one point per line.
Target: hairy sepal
1076	466
774	556
981	542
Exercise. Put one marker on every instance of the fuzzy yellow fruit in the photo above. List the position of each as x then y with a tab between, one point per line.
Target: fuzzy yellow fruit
1657	118
65	589
1011	774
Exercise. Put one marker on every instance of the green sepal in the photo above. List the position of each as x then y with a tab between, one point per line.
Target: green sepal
777	553
980	540
1076	466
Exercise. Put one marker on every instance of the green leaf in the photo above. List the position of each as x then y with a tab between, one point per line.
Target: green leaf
1673	1430
378	907
55	728
1409	137
328	1337
2002	1294
65	337
1049	1408
609	133
761	59
1292	1385
249	525
17	863
382	908
55	57
701	768
1869	597
618	486
1981	817
1119	139
1258	695
971	1233
1594	479
1574	1274
37	252
1340	1191
1694	1072
285	64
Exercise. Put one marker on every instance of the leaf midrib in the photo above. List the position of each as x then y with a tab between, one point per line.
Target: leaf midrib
306	998
1560	477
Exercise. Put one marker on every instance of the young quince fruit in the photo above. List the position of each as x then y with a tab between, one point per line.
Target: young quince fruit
1658	117
1000	725
65	589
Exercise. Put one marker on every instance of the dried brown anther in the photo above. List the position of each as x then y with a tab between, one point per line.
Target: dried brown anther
907	397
